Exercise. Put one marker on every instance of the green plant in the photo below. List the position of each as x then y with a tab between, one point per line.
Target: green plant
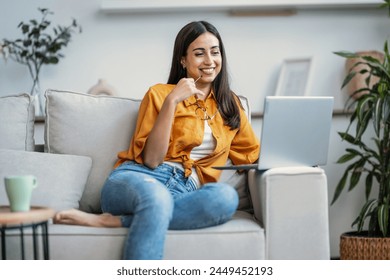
371	108
38	47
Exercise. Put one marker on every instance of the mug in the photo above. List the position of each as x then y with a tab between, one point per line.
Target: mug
19	190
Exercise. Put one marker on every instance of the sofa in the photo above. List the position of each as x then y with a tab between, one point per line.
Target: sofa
282	214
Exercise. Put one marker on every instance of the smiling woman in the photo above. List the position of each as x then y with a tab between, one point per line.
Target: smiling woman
204	60
165	179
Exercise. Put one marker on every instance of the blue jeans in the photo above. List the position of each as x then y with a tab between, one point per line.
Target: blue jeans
151	201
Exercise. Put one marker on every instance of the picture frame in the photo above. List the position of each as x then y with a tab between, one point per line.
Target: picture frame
294	77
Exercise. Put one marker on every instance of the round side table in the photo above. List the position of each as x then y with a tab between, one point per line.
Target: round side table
36	218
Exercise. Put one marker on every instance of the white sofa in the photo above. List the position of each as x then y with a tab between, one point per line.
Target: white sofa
283	212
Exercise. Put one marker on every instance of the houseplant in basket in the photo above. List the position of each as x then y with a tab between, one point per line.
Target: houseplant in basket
38	47
368	162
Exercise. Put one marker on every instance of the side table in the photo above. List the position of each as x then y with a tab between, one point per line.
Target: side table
37	217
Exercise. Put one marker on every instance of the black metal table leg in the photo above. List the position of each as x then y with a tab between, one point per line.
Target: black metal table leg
3	249
22	241
34	236
45	240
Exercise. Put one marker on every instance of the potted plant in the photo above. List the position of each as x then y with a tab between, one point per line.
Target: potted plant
37	47
370	162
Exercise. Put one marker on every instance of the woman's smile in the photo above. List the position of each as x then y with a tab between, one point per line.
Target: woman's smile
207	71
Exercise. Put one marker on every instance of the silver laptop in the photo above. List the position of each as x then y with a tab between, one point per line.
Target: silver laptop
295	132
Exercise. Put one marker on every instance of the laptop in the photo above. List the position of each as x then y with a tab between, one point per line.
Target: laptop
295	132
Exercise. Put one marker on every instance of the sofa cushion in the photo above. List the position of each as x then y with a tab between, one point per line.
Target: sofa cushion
94	126
239	181
239	239
245	106
17	122
61	178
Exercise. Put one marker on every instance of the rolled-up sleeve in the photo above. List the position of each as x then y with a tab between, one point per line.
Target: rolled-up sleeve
245	146
147	115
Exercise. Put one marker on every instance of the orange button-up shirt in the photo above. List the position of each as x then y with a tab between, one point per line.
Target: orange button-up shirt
240	145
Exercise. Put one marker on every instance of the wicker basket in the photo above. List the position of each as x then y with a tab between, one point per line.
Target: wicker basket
357	246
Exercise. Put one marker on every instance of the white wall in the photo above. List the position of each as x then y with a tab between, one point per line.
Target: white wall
133	51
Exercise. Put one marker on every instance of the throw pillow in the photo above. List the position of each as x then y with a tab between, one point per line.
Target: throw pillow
17	122
95	126
61	178
239	181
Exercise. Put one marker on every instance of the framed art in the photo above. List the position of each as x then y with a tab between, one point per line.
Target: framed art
294	77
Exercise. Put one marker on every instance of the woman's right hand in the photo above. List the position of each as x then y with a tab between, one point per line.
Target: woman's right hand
156	146
185	88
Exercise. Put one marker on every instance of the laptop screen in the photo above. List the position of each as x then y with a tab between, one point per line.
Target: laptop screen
295	131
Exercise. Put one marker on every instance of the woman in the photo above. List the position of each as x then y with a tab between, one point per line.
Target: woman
166	180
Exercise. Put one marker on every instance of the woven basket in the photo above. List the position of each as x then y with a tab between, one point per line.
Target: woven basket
357	246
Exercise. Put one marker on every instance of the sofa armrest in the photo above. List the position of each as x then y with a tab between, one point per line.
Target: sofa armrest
292	205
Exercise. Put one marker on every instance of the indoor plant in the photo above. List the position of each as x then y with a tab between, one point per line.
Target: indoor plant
370	107
38	47
370	162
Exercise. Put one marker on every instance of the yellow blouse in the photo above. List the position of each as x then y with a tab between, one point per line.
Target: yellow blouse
240	145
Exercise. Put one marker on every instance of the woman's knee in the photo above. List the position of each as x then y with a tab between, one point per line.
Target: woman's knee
130	195
225	191
160	198
223	195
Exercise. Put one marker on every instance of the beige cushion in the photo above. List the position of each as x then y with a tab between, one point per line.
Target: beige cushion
239	239
17	122
245	105
61	178
94	126
239	181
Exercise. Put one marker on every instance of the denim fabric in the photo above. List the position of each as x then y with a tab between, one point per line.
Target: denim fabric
151	201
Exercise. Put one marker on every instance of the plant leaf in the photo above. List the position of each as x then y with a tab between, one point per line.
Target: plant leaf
369	180
348	137
341	185
364	213
356	173
346	54
383	218
377	116
346	157
348	78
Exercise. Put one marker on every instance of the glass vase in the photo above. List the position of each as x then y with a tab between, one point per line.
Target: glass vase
39	100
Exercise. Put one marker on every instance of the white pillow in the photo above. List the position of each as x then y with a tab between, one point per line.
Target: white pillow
239	180
95	126
61	178
17	122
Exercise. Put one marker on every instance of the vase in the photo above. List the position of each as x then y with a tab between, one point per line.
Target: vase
359	246
359	81
102	88
39	100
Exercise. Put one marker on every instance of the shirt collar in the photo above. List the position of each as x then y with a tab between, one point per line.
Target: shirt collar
192	99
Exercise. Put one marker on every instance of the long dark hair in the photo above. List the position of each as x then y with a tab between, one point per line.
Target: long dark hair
226	99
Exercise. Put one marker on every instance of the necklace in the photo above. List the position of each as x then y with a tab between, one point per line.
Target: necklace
201	112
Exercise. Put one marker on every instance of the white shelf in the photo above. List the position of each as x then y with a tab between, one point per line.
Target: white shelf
140	6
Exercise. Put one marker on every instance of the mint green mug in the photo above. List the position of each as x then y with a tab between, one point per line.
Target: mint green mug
19	190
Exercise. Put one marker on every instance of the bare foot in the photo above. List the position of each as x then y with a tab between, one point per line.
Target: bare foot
77	217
